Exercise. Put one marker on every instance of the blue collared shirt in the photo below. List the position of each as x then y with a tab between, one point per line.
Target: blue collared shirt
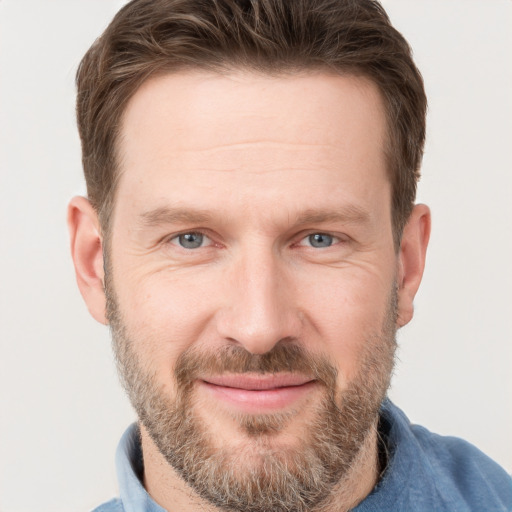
425	472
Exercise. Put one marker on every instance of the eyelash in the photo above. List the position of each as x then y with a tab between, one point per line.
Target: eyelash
334	239
174	240
179	235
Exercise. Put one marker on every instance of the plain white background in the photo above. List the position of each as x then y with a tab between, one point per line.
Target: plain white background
61	408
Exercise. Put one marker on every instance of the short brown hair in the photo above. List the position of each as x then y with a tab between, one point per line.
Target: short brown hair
147	37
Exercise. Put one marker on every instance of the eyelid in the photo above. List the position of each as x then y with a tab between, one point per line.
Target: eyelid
337	238
172	239
206	241
300	239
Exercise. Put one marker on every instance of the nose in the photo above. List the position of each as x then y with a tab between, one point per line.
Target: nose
260	311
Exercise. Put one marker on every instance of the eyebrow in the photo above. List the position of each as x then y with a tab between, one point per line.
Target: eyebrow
352	214
164	215
169	215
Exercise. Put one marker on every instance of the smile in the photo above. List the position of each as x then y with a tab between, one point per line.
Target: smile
258	393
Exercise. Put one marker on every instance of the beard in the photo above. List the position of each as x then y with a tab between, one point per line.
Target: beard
260	474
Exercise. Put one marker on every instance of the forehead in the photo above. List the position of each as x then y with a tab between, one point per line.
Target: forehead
209	106
254	134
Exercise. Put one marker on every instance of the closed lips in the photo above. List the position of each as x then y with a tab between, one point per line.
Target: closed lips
258	382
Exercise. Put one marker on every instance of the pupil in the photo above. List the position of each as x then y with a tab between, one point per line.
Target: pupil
320	240
191	240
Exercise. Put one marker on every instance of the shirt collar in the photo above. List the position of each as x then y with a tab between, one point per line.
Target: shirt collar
130	468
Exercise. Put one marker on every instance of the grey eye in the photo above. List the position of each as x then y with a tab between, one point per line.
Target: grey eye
320	240
191	240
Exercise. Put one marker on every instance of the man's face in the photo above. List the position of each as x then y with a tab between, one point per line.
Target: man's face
252	276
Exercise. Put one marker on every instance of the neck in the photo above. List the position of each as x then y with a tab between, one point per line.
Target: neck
360	479
171	492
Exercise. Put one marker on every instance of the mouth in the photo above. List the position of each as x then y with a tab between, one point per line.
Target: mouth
254	393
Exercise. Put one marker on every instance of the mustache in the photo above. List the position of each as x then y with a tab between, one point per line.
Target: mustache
287	356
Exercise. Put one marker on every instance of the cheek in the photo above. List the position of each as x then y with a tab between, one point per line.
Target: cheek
345	310
164	315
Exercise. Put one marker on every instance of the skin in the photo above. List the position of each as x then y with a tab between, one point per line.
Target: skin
266	162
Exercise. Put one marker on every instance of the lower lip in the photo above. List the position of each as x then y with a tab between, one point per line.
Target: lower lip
261	401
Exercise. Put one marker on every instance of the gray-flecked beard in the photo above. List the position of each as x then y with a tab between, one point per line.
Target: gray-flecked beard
262	474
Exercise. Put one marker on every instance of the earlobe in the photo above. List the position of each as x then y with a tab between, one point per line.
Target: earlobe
87	253
413	249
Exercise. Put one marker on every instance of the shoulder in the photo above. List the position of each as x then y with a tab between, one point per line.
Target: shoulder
442	473
114	505
461	470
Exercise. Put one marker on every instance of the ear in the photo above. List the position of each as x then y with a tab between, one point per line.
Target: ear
411	261
87	254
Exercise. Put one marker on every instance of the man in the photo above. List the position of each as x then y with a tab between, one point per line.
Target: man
251	238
